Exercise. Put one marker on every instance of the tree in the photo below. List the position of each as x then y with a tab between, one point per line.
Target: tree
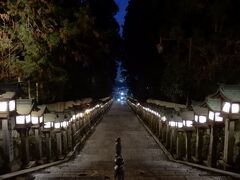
213	28
42	44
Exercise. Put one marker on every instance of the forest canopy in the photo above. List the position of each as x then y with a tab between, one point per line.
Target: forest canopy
199	47
68	47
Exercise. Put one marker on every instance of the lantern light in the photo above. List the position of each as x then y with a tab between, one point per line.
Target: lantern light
211	115
64	124
202	119
49	119
74	117
48	125
226	107
3	106
235	108
34	120
196	118
23	119
87	111
37	116
163	118
172	123
187	123
81	115
217	117
12	105
41	119
57	125
20	119
28	119
179	124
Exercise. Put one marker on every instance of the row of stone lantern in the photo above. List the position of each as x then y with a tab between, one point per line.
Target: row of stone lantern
46	132
207	133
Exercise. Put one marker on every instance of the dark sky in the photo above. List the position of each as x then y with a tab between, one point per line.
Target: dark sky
120	15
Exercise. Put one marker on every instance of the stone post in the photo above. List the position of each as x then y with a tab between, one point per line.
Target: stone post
173	140
228	142
212	154
59	143
70	138
160	126
199	145
65	142
167	142
163	134
25	145
49	145
38	141
7	141
156	126
188	136
179	145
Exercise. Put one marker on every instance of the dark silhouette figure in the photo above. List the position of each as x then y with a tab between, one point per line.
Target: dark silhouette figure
118	147
118	168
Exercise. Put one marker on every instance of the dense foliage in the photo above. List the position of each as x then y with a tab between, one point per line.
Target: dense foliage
68	47
199	47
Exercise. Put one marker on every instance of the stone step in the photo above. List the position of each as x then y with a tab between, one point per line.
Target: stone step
81	176
143	160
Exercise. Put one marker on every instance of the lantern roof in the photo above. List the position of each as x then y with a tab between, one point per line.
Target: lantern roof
7	95
86	100
213	103
108	98
76	108
77	102
201	111
176	106
187	115
56	107
50	117
169	117
230	92
24	106
177	118
173	116
62	116
41	110
68	104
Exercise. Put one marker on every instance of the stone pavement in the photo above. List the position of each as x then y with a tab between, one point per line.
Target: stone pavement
142	156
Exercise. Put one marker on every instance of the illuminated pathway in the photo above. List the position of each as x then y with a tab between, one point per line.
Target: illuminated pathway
142	155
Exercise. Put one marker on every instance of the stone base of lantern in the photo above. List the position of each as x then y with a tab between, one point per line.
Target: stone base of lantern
223	165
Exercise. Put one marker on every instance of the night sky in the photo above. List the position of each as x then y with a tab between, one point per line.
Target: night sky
122	4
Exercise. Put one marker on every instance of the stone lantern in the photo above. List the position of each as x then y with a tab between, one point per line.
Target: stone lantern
7	119
200	124
37	126
60	131
175	123
23	124
230	111
216	125
47	130
187	118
